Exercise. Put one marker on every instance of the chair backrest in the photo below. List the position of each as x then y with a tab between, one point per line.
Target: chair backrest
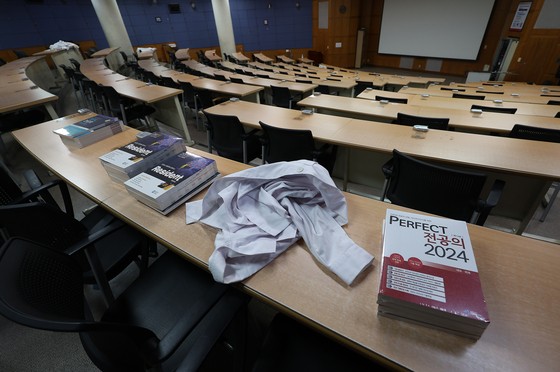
557	115
205	98
172	57
453	89
500	110
433	189
2	62
323	89
135	56
43	288
334	79
362	85
113	98
552	102
20	53
124	56
487	92
169	82
9	190
225	135
263	76
432	123
535	133
220	77
239	71
93	50
189	93
75	63
468	96
151	77
236	80
303	81
392	99
281	96
300	75
287	144
87	55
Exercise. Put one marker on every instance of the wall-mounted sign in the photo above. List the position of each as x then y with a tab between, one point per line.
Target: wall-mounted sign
520	16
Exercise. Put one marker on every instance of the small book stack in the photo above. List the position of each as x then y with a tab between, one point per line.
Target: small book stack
429	275
144	153
90	130
173	181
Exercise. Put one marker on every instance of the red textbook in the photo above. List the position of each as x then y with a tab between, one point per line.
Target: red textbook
429	274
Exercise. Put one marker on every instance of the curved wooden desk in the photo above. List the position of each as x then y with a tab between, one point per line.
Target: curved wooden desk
183	54
17	80
114	60
163	99
518	275
62	56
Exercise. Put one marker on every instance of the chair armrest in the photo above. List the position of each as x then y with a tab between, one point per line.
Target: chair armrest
43	192
491	201
94	237
387	168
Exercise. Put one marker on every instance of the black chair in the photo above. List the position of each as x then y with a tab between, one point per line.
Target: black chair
11	193
487	92
303	81
87	55
291	347
19	53
552	102
282	97
240	71
499	85
123	108
174	313
220	77
190	100
279	144
69	71
557	115
283	72
98	100
500	110
227	135
150	77
334	79
2	62
172	58
135	55
468	96
103	245
18	120
263	76
453	89
433	189
236	80
544	135
75	63
411	120
391	99
170	83
300	75
93	50
324	89
362	85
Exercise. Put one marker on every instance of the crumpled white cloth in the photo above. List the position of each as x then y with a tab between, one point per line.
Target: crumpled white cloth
262	211
62	45
150	49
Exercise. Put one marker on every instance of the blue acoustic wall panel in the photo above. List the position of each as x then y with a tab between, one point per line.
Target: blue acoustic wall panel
23	24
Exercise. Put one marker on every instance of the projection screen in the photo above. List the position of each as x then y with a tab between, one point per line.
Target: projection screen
434	28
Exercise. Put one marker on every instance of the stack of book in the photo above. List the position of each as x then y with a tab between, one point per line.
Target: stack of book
137	156
429	275
173	181
90	130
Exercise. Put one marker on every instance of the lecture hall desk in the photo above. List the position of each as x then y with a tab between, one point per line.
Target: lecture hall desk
114	60
16	81
163	99
518	275
183	54
367	145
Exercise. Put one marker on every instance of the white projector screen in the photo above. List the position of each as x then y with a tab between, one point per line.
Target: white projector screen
434	28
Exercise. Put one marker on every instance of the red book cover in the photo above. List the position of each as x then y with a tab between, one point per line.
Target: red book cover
429	266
